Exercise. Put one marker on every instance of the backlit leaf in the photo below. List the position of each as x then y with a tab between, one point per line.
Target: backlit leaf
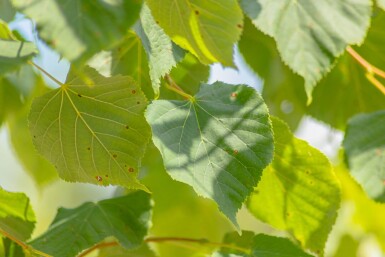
16	215
7	12
311	34
364	146
298	192
95	134
162	54
208	29
79	29
14	53
126	218
218	142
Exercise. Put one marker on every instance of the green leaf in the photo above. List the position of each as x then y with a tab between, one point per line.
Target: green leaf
298	192
282	89
176	203
162	54
381	4
259	246
310	35
14	53
16	215
79	29
364	145
127	58
344	92
37	167
126	218
218	142
188	75
347	246
7	12
94	134
208	29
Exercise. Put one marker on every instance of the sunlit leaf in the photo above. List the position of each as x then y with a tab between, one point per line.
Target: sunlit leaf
364	146
95	134
126	218
208	29
118	251
16	215
14	53
217	142
298	192
162	54
311	34
79	29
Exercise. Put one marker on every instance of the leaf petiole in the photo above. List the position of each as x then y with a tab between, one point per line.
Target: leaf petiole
46	73
171	85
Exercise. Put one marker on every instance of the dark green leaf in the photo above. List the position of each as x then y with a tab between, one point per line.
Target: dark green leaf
118	251
79	29
298	192
95	134
218	142
364	146
126	218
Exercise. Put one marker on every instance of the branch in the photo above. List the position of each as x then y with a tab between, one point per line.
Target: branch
46	73
22	244
168	240
364	63
174	87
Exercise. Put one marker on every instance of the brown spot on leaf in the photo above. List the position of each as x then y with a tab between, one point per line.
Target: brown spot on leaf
115	155
99	178
235	152
196	12
130	169
79	95
234	94
137	102
239	26
133	91
127	127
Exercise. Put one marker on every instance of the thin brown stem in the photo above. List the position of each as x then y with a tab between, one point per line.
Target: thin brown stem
174	87
169	240
46	73
364	63
22	244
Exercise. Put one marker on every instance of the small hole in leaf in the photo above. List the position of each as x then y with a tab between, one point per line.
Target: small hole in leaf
130	169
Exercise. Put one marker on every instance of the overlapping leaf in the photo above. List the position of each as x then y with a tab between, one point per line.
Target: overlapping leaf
208	29
218	142
16	215
162	54
381	4
298	192
94	134
126	218
364	146
344	92
310	35
177	203
79	29
261	245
